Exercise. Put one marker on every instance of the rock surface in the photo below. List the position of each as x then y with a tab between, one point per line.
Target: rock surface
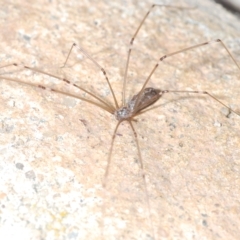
54	149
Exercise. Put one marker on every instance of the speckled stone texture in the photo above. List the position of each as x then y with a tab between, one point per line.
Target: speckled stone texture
54	149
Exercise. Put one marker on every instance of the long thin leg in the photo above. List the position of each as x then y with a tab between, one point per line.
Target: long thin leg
8	65
97	64
208	94
57	91
105	105
132	42
184	50
110	156
192	92
143	176
141	166
104	183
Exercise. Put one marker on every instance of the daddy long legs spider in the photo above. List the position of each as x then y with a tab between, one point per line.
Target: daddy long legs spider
137	110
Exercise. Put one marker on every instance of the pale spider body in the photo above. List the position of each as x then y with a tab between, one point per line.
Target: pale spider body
138	103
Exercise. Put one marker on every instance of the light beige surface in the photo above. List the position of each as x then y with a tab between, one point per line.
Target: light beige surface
54	149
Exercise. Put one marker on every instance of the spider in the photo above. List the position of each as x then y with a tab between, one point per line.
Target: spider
127	111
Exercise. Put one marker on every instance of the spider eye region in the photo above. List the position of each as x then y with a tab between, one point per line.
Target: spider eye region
123	113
